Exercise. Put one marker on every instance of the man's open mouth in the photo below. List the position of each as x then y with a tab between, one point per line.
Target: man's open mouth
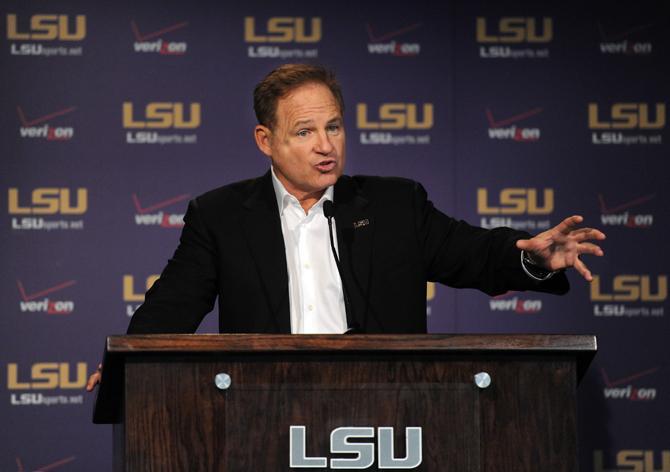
326	165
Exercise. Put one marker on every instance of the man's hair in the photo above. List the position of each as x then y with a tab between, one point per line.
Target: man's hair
283	80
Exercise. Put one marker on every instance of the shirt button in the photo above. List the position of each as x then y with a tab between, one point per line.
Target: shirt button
306	266
310	307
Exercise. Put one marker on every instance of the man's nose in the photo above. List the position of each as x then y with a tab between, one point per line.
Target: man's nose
323	143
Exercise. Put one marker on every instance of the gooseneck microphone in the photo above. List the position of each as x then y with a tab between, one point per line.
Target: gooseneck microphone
329	213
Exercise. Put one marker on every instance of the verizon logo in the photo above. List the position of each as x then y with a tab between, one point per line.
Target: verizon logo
620	215
153	43
507	129
515	304
148	216
622	389
38	302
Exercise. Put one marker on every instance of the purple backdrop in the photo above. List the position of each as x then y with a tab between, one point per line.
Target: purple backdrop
509	113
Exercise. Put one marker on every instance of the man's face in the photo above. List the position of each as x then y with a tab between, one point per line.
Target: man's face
306	144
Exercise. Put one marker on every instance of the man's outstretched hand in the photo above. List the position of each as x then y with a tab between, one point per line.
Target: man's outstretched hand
94	379
560	247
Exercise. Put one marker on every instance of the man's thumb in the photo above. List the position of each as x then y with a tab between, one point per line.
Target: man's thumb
523	244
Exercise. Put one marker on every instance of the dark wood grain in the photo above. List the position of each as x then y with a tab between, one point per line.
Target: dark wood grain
119	348
174	418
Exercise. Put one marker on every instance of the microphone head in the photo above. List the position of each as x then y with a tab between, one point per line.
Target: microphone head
328	209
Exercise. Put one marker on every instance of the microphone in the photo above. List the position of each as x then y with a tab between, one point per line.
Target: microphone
329	213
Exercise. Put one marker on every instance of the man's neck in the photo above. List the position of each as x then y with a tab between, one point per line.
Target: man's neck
306	199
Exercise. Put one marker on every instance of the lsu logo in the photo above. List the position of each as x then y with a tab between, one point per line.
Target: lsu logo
162	115
430	291
129	293
631	288
634	460
627	116
514	30
47	376
283	29
48	28
49	201
341	443
516	201
395	116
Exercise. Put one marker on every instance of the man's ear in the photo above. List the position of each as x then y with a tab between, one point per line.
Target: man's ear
262	135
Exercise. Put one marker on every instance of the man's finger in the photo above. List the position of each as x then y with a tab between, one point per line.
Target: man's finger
569	224
589	248
578	231
583	234
583	270
93	380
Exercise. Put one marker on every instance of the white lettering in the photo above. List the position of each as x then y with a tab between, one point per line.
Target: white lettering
364	452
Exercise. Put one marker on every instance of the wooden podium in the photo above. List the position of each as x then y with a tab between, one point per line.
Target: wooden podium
462	403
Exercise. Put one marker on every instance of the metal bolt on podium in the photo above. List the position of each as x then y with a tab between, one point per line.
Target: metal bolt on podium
482	379
222	381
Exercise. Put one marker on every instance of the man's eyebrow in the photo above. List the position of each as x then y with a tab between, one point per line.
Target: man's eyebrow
303	122
309	121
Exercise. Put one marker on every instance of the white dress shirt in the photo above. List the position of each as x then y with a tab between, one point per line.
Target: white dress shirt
315	288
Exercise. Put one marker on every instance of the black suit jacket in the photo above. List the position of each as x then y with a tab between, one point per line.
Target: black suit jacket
391	240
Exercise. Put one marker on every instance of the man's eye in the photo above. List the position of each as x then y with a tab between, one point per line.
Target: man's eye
333	128
303	133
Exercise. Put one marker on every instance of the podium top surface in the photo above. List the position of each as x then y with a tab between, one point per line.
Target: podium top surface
246	343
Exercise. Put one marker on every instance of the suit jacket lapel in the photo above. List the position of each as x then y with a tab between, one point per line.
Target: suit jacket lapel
262	228
355	231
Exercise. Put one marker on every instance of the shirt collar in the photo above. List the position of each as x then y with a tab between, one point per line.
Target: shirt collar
284	198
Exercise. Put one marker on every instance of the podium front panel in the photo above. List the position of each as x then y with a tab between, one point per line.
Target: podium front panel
290	411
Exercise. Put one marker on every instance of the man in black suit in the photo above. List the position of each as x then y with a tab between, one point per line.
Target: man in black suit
261	245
